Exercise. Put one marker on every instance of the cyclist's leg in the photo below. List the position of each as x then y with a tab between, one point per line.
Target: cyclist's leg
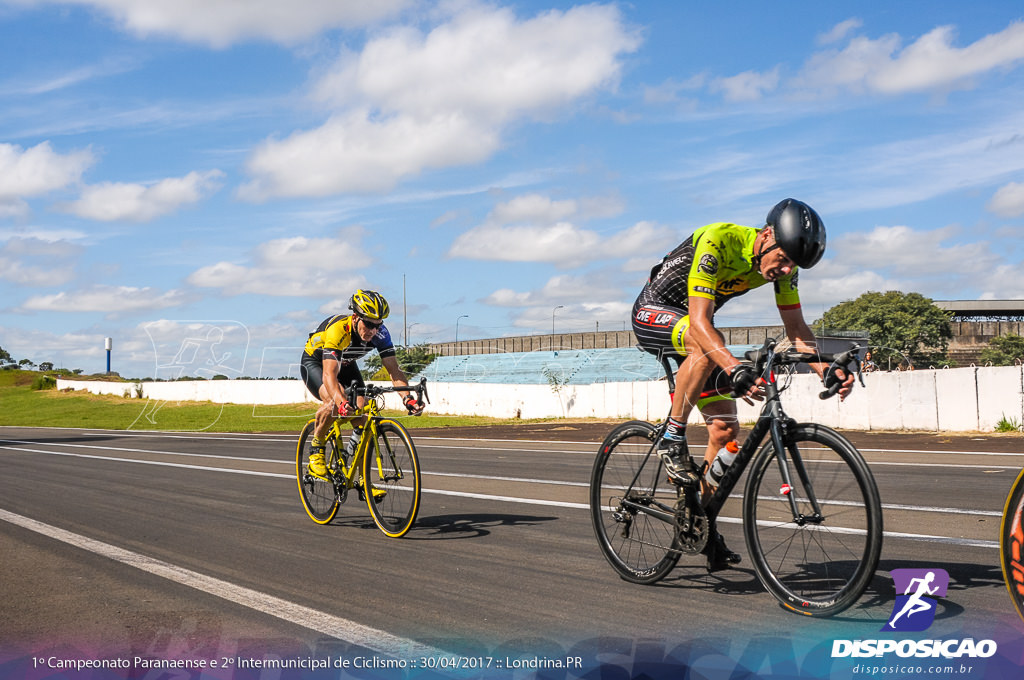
719	411
312	372
347	374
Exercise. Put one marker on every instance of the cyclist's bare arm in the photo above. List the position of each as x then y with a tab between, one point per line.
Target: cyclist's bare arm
704	337
802	338
399	379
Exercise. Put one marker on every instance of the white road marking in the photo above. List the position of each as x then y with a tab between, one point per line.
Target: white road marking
479	496
306	617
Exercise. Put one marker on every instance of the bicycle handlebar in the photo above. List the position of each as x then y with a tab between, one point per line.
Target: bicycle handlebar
371	391
766	358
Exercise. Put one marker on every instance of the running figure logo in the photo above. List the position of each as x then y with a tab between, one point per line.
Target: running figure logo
914	609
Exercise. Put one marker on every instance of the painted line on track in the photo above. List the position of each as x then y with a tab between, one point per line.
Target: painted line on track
306	617
532	501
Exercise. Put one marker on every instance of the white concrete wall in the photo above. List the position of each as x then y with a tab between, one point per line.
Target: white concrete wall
957	399
216	391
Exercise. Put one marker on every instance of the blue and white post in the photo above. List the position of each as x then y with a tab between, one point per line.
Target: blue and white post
109	345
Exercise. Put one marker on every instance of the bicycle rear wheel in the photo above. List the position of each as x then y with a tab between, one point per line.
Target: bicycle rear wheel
391	479
1011	543
625	481
319	496
814	565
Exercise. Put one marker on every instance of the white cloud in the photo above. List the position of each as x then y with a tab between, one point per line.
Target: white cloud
839	31
563	243
109	299
112	201
65	350
1008	201
747	86
35	262
219	23
671	91
534	209
38	170
534	228
558	289
412	101
931	62
355	153
915	252
296	266
574	318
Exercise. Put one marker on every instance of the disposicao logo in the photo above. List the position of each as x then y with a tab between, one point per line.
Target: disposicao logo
914	609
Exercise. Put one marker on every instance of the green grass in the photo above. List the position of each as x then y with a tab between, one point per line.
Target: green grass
24	404
1008	425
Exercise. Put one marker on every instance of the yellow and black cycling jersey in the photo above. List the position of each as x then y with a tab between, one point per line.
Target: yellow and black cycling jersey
336	338
716	262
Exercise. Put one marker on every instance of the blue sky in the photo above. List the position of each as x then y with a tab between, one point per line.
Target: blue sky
168	168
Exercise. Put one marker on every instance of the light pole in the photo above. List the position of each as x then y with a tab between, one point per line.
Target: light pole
553	318
411	326
464	316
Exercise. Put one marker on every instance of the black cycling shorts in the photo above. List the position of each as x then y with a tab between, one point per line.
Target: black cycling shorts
312	372
660	330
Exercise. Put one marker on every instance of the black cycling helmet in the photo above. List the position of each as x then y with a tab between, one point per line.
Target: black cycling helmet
799	232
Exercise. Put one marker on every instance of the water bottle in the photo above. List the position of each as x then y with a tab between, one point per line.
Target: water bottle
726	455
351	444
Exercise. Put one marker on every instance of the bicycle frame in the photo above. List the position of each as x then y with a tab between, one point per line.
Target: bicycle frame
772	422
372	412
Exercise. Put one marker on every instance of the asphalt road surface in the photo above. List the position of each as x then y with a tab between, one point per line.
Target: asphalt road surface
196	546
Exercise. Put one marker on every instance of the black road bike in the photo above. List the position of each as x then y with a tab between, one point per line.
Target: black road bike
812	517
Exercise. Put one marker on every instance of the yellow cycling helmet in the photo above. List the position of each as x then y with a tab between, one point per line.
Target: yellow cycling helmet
369	305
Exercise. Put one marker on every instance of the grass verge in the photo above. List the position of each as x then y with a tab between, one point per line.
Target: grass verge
24	404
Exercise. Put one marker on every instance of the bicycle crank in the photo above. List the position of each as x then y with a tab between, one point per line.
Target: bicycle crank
692	523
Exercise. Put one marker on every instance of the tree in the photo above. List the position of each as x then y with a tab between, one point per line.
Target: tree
26	364
1004	350
902	326
46	366
5	357
411	360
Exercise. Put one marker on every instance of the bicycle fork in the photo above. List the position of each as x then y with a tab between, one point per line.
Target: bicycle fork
779	430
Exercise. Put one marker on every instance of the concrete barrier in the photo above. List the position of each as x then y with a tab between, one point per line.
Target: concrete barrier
956	399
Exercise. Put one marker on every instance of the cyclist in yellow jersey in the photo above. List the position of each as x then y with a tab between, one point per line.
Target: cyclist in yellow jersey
674	316
328	365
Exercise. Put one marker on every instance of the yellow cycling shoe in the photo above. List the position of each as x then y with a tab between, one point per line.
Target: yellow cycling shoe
317	466
378	494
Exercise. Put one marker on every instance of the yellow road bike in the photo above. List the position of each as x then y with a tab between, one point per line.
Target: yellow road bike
1011	543
383	469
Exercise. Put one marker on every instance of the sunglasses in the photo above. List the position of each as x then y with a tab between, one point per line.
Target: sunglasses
371	324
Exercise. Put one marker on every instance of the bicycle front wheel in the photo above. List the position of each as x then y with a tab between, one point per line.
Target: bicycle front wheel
1011	543
391	479
625	492
318	494
819	561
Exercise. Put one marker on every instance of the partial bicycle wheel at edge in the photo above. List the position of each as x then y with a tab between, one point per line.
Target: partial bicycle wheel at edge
1011	543
641	547
391	479
318	495
814	565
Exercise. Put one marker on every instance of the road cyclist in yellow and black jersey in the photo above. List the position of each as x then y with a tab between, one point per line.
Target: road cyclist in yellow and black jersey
673	317
328	366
